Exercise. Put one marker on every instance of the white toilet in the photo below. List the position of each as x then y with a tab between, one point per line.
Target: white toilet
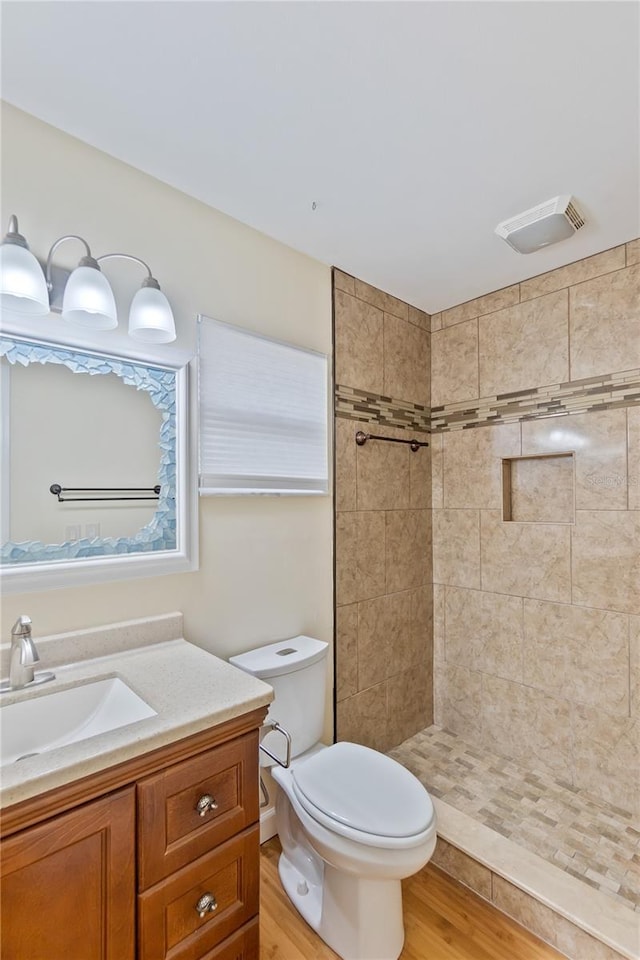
352	822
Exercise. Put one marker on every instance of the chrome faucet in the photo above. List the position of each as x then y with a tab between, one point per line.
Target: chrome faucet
24	654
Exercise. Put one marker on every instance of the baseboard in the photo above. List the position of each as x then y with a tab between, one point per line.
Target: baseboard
267	824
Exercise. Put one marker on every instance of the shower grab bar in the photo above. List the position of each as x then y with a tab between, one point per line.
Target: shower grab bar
276	728
361	439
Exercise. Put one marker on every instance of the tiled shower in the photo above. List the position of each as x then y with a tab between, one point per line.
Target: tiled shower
488	587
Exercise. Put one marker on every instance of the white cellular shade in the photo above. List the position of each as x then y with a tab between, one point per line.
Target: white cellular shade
263	414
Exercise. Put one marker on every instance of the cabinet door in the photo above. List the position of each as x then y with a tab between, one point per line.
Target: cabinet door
67	885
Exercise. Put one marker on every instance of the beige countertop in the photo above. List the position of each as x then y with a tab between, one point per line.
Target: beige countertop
190	690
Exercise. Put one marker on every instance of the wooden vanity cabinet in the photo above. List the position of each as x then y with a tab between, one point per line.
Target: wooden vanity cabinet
155	859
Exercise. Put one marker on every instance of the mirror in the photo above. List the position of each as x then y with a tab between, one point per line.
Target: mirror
93	464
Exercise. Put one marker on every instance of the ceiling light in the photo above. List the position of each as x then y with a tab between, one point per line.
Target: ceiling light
23	288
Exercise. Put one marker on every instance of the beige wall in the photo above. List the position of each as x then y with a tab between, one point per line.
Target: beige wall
265	563
383	518
537	624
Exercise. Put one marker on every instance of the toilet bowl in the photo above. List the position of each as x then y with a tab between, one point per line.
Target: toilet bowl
352	822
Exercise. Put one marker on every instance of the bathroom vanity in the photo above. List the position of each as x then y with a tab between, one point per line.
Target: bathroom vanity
155	855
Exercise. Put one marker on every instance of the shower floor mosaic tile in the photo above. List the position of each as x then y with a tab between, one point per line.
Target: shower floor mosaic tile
598	844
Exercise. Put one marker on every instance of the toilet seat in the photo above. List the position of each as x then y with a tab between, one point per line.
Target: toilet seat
363	795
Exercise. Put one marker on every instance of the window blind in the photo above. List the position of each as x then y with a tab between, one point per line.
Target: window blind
263	414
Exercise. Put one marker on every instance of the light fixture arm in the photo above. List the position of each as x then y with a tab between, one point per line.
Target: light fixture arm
87	261
149	281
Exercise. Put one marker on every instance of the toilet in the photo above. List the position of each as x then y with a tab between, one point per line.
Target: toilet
352	822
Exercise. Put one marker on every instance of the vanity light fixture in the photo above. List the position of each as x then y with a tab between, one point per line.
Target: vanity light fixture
88	298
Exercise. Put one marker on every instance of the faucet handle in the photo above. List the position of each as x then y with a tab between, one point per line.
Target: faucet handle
22	627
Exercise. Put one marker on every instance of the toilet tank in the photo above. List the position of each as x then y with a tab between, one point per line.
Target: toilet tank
297	671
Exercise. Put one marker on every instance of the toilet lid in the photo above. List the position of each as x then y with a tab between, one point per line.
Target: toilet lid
364	790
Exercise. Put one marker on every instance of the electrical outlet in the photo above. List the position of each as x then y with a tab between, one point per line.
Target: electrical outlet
73	531
92	531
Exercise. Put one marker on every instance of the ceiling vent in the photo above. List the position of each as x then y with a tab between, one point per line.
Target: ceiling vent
540	226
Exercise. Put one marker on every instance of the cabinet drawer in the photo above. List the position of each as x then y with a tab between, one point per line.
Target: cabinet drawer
170	927
171	830
242	945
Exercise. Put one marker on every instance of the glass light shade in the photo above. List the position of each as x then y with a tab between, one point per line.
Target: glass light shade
88	300
23	288
151	318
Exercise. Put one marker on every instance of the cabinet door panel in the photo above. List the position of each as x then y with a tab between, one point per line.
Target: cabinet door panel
170	927
171	831
67	885
243	945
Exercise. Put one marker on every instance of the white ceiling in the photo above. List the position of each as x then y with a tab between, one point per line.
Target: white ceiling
415	127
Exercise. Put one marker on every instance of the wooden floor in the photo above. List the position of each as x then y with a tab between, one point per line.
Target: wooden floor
443	921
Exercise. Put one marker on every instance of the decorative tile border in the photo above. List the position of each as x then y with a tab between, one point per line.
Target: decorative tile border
369	407
562	399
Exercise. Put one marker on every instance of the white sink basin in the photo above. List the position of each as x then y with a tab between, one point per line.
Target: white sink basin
56	719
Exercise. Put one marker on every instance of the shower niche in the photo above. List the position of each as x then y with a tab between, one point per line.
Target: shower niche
539	488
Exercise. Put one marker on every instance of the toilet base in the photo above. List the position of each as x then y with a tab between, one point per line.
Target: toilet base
361	919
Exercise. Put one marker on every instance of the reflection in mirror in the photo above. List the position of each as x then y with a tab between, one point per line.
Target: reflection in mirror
104	430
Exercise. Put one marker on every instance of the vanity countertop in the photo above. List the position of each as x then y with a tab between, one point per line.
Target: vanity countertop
189	688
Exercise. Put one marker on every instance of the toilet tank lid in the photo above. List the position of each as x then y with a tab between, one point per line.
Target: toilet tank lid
286	656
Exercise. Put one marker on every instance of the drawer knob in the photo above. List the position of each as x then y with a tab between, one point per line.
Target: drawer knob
205	804
206	904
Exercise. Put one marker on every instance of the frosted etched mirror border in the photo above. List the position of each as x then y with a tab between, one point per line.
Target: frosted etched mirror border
160	546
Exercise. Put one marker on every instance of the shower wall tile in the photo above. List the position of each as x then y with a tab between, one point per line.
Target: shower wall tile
347	651
543	661
578	654
384	654
460	693
606	560
488	303
524	346
436	322
420	478
383	473
525	559
384	627
600	444
573	273
634	663
542	490
484	632
527	725
439	595
359	343
360	551
605	318
437	470
419	318
363	719
410	703
384	301
408	549
342	281
454	364
456	547
633	461
606	756
473	465
345	465
406	361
